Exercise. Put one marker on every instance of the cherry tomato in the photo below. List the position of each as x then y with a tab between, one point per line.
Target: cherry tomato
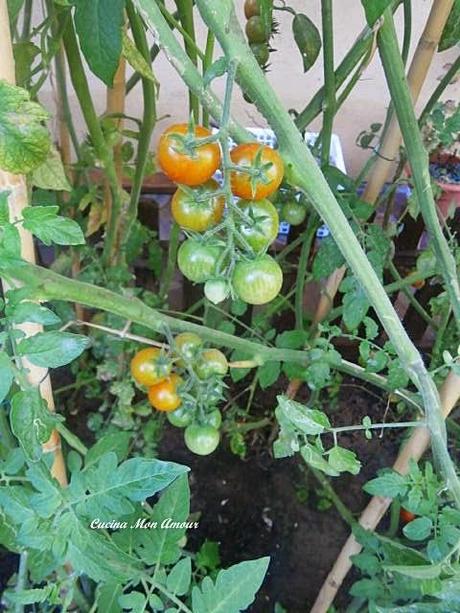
188	346
293	212
251	8
255	30
406	516
261	53
163	396
196	261
180	418
212	362
213	419
271	169
201	440
257	281
192	167
191	212
150	366
262	226
216	290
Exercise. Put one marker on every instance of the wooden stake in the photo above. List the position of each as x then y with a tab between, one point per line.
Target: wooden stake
18	200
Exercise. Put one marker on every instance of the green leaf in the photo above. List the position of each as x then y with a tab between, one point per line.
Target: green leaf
134	601
180	576
208	556
136	60
416	572
308	421
328	259
53	349
344	460
292	339
4	209
268	374
317	375
397	377
99	25
314	458
24	140
370	589
374	9
30	596
49	227
33	313
451	32
31	422
355	307
6	376
11	241
51	174
24	53
217	69
14	7
390	484
107	595
234	589
118	442
419	529
307	38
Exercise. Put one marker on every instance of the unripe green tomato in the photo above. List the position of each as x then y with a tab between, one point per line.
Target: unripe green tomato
255	30
180	418
261	53
293	212
212	362
201	440
187	345
216	290
197	261
213	419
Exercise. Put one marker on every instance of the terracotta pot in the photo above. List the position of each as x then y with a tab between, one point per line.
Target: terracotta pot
450	191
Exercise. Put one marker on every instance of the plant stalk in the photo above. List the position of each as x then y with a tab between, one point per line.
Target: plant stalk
329	104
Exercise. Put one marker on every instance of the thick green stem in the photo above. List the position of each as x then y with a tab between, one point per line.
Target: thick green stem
407	7
25	35
185	10
103	151
418	158
329	104
207	62
148	123
171	263
436	95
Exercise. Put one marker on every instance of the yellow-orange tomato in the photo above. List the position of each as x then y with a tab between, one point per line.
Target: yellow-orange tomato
163	396
271	169
150	366
198	211
187	167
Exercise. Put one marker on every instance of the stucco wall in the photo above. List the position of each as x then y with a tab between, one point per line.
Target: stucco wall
366	105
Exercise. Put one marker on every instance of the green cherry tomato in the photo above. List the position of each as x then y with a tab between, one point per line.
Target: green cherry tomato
201	440
255	30
188	345
261	53
212	362
198	209
262	225
257	281
214	419
216	290
196	261
293	212
180	418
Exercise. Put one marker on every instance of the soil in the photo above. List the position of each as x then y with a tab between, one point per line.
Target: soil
264	507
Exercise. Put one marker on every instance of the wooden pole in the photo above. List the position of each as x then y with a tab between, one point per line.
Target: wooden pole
18	200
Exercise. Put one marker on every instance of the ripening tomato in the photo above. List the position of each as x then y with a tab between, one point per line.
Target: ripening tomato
262	225
212	362
190	167
188	346
270	168
261	52
255	30
200	210
150	366
201	440
163	396
197	261
293	212
406	516
181	417
251	8
257	281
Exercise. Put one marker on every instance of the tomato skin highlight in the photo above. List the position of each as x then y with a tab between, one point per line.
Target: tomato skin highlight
181	167
257	281
260	234
201	440
406	516
149	366
198	216
163	396
196	261
251	8
245	155
212	362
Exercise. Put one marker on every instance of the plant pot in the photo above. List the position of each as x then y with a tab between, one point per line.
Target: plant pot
450	191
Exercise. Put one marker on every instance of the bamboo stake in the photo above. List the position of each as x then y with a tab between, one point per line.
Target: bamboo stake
414	449
18	200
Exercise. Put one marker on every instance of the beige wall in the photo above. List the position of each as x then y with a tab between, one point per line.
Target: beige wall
366	105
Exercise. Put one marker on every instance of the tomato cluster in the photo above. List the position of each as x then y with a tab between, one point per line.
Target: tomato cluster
239	264
185	383
256	33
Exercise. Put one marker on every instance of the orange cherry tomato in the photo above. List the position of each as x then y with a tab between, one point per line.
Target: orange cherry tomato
163	396
270	167
193	212
150	366
187	167
406	516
